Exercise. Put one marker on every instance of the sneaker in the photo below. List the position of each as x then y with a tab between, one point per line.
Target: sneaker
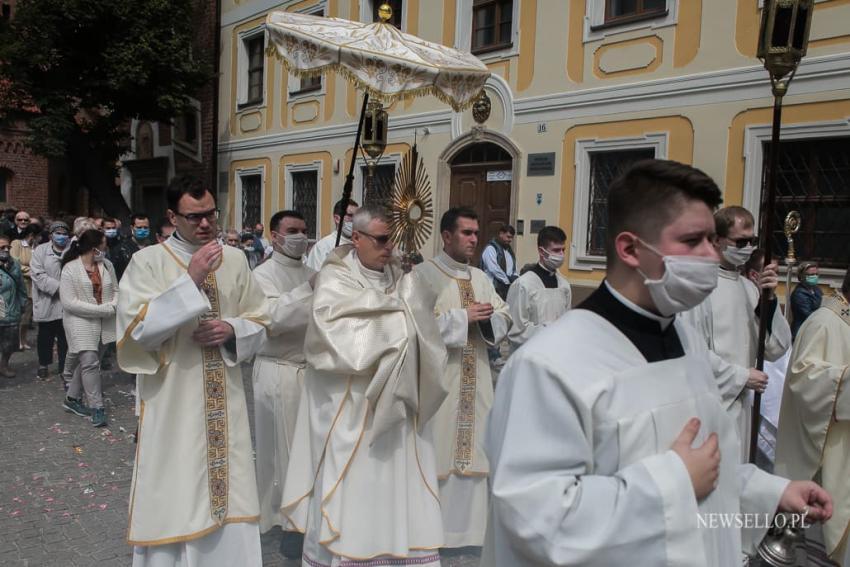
42	372
98	417
76	406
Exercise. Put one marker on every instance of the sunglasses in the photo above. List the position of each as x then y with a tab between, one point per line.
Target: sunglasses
381	240
22	220
743	242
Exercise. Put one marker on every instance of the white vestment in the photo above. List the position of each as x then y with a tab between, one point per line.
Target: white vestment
458	428
728	323
320	250
814	423
362	479
582	472
194	472
533	306
278	378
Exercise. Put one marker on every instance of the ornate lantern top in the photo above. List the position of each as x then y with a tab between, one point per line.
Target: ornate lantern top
374	129
784	35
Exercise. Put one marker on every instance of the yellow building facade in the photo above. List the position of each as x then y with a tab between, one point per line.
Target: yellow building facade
580	88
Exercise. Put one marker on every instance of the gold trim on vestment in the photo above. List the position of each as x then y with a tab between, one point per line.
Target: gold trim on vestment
419	464
465	424
143	311
467	474
199	534
215	404
383	555
136	467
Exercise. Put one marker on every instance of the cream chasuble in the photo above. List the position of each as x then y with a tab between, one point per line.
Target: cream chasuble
728	323
533	306
194	469
458	427
814	423
582	472
362	477
278	378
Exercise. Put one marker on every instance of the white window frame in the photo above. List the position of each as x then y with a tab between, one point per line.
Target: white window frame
463	32
595	16
367	8
754	138
247	172
359	177
579	258
289	196
293	80
184	148
242	68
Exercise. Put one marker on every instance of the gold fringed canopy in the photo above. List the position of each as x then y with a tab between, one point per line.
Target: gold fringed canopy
377	58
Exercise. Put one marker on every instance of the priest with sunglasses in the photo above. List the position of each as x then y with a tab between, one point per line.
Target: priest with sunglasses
729	319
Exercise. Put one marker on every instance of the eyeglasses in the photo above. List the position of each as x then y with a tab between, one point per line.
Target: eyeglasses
742	242
22	220
196	218
382	240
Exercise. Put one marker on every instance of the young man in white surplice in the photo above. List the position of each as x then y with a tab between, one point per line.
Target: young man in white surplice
319	252
608	440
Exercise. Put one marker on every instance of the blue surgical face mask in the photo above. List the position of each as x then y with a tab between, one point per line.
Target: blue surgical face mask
60	240
812	279
141	233
111	232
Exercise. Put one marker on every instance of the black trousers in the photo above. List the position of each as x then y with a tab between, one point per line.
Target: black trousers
48	332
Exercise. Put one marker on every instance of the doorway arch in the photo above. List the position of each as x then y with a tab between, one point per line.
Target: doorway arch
462	177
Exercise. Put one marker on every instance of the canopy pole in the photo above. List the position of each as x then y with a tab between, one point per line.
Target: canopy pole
349	179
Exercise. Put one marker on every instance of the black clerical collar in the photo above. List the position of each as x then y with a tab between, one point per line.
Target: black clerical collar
549	279
655	340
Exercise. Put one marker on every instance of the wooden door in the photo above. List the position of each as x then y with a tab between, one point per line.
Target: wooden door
490	199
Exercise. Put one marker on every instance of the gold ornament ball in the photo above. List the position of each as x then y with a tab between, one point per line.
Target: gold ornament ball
385	12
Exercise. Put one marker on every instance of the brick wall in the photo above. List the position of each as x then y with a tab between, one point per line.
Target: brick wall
27	188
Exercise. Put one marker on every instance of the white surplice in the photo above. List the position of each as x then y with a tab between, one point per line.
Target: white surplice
278	377
194	493
320	250
582	472
458	428
362	479
814	423
728	323
533	306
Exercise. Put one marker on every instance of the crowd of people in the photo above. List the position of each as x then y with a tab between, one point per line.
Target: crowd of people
386	433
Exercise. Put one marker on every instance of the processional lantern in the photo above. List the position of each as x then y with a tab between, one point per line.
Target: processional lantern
374	140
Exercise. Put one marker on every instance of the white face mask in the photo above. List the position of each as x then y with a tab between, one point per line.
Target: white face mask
686	282
99	256
347	228
552	261
738	256
294	245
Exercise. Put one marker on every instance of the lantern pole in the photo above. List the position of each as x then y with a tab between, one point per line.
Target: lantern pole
349	179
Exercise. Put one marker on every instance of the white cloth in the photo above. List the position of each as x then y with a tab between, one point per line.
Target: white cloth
728	323
533	306
233	544
582	474
362	477
814	423
320	250
459	426
278	378
87	323
770	404
194	469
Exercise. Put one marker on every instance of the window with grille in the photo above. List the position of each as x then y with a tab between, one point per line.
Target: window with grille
492	25
305	198
813	178
396	5
623	11
252	209
605	167
255	47
312	83
383	186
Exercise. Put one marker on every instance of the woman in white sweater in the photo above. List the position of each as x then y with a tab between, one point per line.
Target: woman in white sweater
89	293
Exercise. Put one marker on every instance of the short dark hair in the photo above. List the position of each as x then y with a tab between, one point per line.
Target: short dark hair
138	216
274	223
86	242
725	218
109	219
507	228
549	234
163	223
246	236
449	218
341	207
646	197
185	185
33	229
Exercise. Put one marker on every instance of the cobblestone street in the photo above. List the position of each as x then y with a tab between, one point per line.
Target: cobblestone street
64	485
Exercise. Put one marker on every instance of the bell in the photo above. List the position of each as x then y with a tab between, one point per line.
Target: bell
783	547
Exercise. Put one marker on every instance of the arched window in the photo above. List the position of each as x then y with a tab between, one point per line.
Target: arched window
5	178
484	152
144	141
